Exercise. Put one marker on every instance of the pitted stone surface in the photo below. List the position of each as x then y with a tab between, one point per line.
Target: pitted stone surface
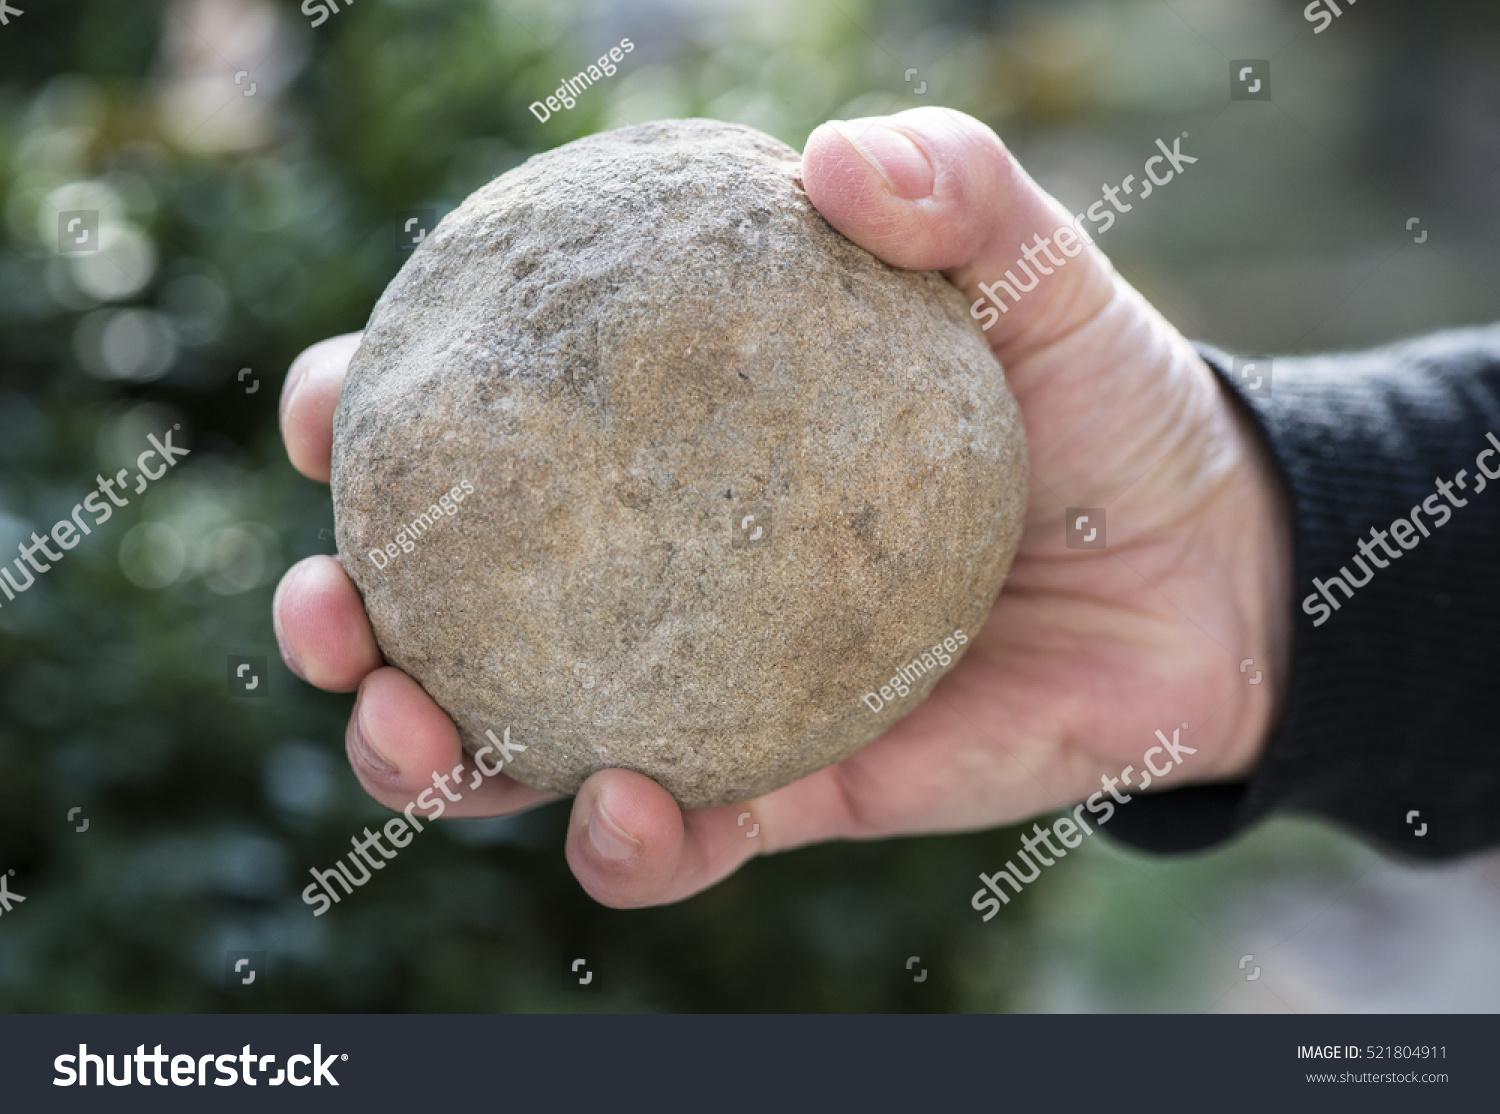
729	471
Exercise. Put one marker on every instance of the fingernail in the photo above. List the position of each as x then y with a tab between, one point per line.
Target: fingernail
368	753
900	162
293	662
295	378
610	841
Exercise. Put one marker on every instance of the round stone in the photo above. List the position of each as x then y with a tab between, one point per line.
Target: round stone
641	464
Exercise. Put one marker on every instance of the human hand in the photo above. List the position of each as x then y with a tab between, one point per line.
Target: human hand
1086	653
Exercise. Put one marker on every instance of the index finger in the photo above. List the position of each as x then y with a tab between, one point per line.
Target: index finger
308	400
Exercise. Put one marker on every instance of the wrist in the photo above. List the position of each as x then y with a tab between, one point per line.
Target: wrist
1257	513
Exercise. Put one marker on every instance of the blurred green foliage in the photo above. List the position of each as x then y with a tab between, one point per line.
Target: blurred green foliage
236	227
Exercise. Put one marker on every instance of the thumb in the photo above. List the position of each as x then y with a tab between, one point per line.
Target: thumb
1110	392
934	189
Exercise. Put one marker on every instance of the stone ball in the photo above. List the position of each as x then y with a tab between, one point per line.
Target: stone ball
641	464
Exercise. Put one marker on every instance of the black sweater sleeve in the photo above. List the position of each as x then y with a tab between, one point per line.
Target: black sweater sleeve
1392	705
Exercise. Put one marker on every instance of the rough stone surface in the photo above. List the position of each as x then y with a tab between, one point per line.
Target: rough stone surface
639	349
